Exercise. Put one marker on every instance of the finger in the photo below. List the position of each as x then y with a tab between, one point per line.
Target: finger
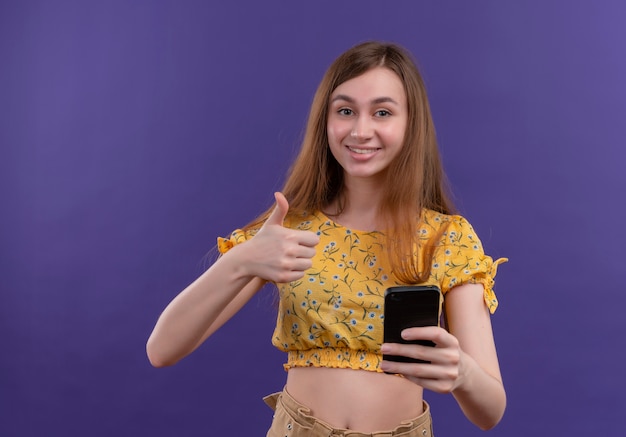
308	239
436	373
434	378
277	217
441	386
416	351
299	251
418	370
436	334
409	369
305	252
422	371
288	276
300	264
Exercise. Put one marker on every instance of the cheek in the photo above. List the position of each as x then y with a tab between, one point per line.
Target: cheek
392	137
336	132
394	134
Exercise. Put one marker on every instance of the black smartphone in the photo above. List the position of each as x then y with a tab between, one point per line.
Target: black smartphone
407	307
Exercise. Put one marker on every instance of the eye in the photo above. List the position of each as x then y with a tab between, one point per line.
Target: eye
345	111
382	113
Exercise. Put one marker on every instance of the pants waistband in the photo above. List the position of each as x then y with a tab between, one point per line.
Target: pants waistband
422	424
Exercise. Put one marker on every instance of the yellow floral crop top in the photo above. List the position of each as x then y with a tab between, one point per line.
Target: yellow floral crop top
333	316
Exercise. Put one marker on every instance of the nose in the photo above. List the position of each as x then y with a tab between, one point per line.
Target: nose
362	129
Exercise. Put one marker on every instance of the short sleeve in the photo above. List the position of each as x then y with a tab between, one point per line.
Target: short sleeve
459	259
238	236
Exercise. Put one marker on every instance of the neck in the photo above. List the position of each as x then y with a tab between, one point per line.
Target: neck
357	206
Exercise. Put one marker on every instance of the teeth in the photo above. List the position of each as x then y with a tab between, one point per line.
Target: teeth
361	151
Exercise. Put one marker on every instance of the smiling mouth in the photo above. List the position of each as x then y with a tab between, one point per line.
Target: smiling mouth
362	151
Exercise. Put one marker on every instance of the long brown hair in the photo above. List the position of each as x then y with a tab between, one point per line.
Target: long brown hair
415	179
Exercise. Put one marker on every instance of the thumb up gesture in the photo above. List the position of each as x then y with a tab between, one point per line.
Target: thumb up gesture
281	254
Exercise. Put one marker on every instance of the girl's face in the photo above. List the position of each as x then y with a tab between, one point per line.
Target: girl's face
367	120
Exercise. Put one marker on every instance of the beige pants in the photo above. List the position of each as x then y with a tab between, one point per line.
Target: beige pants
292	419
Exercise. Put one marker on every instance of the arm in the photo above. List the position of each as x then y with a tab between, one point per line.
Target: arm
201	308
480	391
464	361
274	254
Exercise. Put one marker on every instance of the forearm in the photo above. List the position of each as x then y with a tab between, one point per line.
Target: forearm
200	309
274	254
481	396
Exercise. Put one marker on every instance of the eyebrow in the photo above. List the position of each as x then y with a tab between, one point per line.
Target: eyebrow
376	101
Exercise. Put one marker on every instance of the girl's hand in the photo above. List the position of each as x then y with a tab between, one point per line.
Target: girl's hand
443	374
277	253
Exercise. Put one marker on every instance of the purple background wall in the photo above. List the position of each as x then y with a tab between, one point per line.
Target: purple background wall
132	134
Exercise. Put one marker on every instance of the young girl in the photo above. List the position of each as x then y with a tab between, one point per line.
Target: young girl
363	209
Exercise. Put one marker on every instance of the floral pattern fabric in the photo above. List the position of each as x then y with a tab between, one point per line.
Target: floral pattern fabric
333	316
